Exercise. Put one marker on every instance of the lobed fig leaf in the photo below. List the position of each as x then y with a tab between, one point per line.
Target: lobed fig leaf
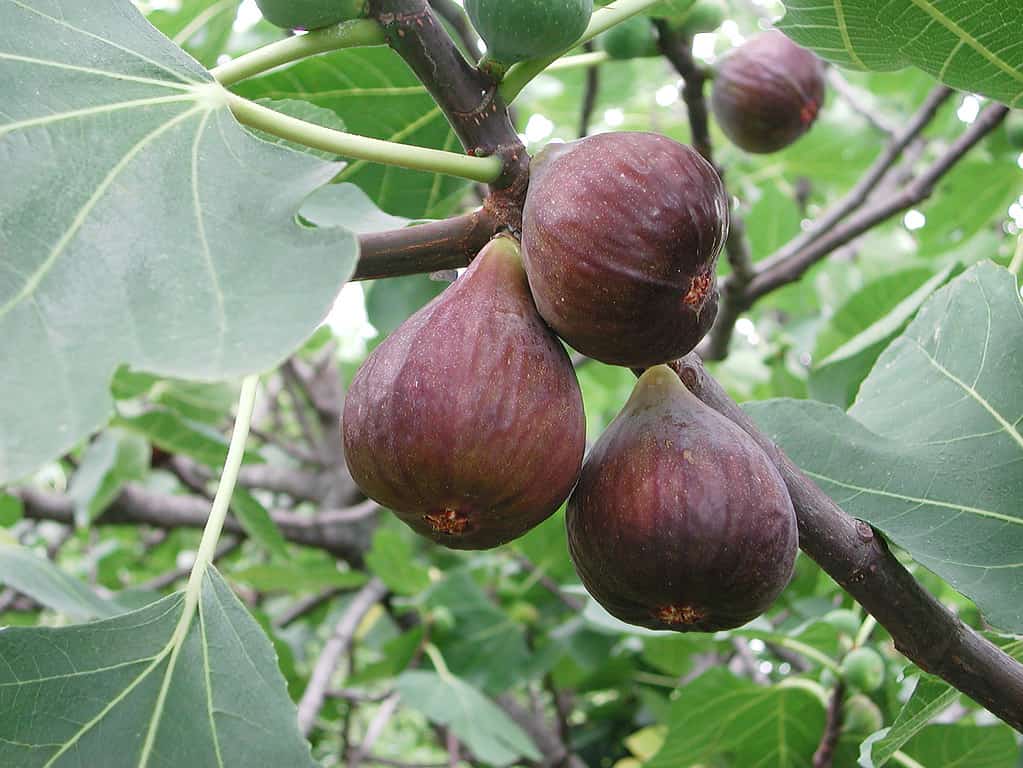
767	93
515	30
467	421
680	521
311	14
621	234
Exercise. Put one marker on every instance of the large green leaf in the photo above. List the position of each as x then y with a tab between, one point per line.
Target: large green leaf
139	224
931	451
973	46
137	691
475	720
965	746
376	95
719	716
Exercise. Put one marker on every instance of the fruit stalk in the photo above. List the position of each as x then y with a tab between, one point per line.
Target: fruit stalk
485	169
922	628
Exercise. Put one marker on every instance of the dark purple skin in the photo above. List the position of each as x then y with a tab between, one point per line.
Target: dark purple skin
680	521
620	235
767	93
467	421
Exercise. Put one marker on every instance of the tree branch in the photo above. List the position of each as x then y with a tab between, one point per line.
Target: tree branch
447	244
470	100
924	631
334	531
792	268
344	633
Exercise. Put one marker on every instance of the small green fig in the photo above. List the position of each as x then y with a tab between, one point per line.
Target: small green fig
680	521
515	30
467	421
632	39
311	14
702	17
845	621
620	235
861	716
863	669
767	93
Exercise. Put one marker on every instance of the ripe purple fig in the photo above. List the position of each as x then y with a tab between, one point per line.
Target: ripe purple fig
767	93
621	234
680	521
467	421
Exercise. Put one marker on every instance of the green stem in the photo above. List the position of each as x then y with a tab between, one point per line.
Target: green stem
905	760
580	60
438	663
346	35
222	499
808	651
1017	260
601	21
868	626
482	169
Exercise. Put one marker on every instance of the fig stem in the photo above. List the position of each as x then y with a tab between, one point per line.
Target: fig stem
1017	260
348	34
520	75
866	629
808	651
438	663
483	169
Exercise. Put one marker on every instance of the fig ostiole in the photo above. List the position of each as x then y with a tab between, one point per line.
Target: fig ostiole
679	520
467	421
767	93
621	234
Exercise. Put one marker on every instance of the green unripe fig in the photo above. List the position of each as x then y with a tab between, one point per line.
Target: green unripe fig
861	716
1014	128
523	612
863	669
845	621
704	16
632	39
515	30
311	14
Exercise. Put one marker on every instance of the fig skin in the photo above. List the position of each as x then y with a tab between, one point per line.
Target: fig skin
680	521
620	235
467	421
767	93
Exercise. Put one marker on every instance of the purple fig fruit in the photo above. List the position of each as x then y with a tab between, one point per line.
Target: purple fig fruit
767	93
620	235
467	421
680	521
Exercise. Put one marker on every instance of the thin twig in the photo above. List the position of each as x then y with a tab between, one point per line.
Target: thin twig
791	269
344	634
824	757
590	92
375	730
857	101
